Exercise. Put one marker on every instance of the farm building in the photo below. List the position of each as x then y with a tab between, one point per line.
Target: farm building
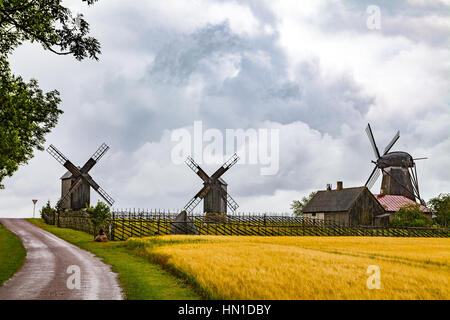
350	206
393	203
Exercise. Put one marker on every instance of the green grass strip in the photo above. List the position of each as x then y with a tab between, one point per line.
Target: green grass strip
12	254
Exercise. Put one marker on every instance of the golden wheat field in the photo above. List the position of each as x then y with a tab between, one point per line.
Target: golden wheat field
305	267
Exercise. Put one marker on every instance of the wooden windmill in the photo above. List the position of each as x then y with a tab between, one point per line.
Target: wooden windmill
214	191
398	168
76	182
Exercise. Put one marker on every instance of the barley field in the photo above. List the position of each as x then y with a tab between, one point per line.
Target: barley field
253	268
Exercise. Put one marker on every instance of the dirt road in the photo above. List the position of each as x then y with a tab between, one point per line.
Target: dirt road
57	270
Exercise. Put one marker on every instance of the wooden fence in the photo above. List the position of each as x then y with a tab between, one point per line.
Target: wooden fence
126	224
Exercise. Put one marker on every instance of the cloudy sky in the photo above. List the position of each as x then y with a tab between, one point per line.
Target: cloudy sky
316	71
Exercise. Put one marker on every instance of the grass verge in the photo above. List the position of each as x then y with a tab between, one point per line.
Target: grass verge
12	254
139	279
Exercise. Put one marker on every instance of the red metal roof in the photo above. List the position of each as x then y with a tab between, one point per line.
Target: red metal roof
394	203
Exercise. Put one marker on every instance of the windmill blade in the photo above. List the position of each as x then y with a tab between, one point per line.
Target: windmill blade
105	196
415	179
99	190
372	141
72	189
57	154
100	152
95	158
373	178
391	144
63	160
190	206
202	193
196	168
226	166
230	202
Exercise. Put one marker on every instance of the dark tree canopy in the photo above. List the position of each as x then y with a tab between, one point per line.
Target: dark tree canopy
26	113
49	23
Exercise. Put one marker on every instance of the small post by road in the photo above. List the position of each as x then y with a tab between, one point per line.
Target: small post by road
34	206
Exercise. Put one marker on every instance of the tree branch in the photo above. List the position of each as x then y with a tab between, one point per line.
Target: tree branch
44	41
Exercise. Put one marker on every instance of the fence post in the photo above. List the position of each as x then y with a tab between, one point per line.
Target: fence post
159	219
113	226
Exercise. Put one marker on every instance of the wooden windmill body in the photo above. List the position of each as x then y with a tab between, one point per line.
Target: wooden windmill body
79	197
214	202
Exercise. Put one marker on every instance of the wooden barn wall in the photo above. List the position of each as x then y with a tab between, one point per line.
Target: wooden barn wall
340	218
364	209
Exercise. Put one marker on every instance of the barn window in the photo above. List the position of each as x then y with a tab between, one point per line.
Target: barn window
313	214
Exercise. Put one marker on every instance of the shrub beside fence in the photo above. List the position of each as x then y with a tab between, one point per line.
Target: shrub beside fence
49	218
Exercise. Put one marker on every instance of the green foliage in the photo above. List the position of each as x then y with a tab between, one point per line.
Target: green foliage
47	210
98	215
410	215
49	23
440	205
27	114
298	205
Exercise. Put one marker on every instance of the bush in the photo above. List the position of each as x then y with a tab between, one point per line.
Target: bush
410	215
47	211
98	215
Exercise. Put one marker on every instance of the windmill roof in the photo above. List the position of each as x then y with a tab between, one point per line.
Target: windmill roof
333	200
393	203
66	175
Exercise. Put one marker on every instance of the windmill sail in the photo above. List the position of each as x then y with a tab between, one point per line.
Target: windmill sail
391	144
196	168
372	141
226	166
63	160
373	178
